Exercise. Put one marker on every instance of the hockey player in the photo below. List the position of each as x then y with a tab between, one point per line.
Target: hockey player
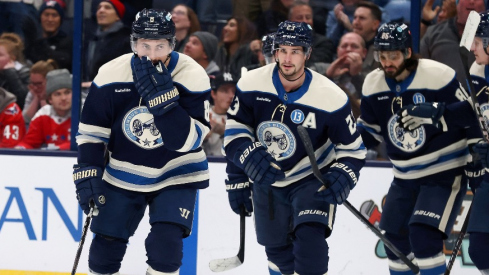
428	162
265	154
462	115
147	112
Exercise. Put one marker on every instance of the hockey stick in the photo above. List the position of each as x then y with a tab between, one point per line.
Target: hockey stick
219	265
83	236
465	44
306	140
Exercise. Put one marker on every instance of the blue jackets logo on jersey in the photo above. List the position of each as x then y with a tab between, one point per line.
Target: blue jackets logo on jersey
278	139
139	127
407	141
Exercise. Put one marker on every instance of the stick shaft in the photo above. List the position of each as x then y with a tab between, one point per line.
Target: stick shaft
82	240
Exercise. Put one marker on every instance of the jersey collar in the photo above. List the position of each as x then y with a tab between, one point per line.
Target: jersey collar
290	97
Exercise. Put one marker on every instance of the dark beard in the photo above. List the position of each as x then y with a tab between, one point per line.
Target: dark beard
398	72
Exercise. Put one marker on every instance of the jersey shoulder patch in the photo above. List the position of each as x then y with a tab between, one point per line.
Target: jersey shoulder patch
432	75
374	83
259	79
115	71
190	74
477	70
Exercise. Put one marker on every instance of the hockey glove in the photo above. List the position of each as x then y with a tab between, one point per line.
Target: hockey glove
89	186
258	164
239	194
341	177
413	116
482	151
475	174
154	84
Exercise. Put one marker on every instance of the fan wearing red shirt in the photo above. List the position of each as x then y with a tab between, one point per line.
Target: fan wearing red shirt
12	125
51	125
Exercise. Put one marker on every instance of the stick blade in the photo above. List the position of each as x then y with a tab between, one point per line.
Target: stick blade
470	29
219	265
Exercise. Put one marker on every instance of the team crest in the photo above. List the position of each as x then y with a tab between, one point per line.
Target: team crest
407	141
139	127
485	113
278	139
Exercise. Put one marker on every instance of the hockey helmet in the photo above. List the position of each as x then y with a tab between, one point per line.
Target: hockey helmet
153	24
267	47
483	29
393	36
293	34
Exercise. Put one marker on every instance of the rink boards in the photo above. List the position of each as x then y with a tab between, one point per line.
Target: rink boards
41	224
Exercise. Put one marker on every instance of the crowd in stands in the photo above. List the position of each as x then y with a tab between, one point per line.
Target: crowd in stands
224	37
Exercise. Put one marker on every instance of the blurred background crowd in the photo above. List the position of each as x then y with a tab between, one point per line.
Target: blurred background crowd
223	36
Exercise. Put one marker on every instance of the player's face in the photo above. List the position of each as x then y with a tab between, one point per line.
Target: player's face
364	23
392	62
180	17
61	101
106	15
50	21
291	60
230	32
37	84
477	48
223	97
351	42
154	49
194	49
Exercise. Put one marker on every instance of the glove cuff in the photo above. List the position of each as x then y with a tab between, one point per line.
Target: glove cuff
237	185
163	101
348	170
82	173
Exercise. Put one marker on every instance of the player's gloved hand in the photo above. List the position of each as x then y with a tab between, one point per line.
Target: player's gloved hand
258	164
154	84
475	174
482	151
89	186
239	194
413	116
341	177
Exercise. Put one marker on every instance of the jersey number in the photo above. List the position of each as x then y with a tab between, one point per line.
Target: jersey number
207	107
352	126
9	133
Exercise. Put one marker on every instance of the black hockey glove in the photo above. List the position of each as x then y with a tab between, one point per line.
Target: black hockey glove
239	194
89	187
412	116
154	84
341	177
475	174
258	164
482	151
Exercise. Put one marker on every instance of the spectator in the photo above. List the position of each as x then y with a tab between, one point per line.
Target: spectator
442	40
12	126
268	21
223	89
111	38
339	20
366	21
202	47
234	51
322	48
186	23
14	75
36	98
51	125
346	70
256	47
53	43
428	14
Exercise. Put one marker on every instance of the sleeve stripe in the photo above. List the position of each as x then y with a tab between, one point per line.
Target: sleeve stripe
195	136
94	130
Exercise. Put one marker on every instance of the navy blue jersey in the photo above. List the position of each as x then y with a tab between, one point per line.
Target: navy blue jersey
146	153
263	111
427	150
